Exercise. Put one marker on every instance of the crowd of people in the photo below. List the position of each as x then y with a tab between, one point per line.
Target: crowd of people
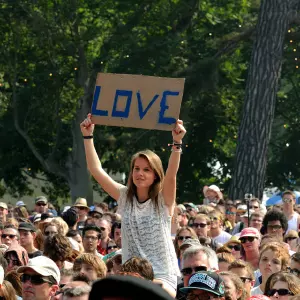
148	245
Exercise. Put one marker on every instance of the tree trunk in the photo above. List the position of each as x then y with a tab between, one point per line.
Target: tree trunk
260	98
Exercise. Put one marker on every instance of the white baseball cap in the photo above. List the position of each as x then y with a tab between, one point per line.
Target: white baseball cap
43	266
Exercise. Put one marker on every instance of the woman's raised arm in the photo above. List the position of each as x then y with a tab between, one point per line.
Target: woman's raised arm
93	162
169	186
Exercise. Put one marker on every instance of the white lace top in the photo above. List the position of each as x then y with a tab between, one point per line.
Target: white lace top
147	233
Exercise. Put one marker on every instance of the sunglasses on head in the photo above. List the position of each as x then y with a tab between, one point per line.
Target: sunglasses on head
247	239
182	238
197	225
4	236
41	204
280	292
235	247
190	271
35	279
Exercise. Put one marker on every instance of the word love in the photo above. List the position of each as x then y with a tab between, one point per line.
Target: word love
137	101
142	111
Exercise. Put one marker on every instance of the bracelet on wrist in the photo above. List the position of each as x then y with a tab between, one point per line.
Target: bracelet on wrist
87	137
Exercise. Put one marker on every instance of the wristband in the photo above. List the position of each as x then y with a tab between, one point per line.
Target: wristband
88	137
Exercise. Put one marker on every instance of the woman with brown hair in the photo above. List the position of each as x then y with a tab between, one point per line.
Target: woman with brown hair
14	278
59	249
282	286
146	204
183	234
273	258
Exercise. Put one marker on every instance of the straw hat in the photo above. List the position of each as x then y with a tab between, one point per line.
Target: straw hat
81	202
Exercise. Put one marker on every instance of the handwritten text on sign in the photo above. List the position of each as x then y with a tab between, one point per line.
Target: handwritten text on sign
137	101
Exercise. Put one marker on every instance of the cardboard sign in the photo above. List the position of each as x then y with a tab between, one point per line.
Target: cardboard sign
137	101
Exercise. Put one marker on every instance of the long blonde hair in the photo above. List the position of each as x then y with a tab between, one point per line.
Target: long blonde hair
156	165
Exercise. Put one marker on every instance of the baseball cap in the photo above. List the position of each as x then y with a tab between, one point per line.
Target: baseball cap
26	226
3	205
249	231
20	203
190	242
206	281
127	287
192	205
96	210
37	218
41	199
1	275
43	266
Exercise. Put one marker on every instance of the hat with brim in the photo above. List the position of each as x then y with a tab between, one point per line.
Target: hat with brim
128	287
250	231
213	188
233	240
3	205
205	281
41	199
43	266
96	210
189	243
37	218
291	234
81	202
20	203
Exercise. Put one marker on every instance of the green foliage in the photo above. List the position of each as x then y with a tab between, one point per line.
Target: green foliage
53	49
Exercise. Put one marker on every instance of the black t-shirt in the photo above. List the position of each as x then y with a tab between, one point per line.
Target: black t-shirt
35	254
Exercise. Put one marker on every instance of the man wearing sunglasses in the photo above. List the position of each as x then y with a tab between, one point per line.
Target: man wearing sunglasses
40	279
289	201
41	205
10	236
196	259
275	223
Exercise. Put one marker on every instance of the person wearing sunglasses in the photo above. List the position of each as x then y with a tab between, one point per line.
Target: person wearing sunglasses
40	279
295	264
275	223
291	238
82	209
111	247
245	272
230	218
204	286
282	286
201	225
184	233
10	236
288	203
234	244
15	256
274	257
105	228
41	204
250	240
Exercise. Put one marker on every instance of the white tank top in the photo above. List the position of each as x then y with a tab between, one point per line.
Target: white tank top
292	223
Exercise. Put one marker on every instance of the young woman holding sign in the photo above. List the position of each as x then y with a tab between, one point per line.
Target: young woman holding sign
146	203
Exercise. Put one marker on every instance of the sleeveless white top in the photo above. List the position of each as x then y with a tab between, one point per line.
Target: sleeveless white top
146	233
292	223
